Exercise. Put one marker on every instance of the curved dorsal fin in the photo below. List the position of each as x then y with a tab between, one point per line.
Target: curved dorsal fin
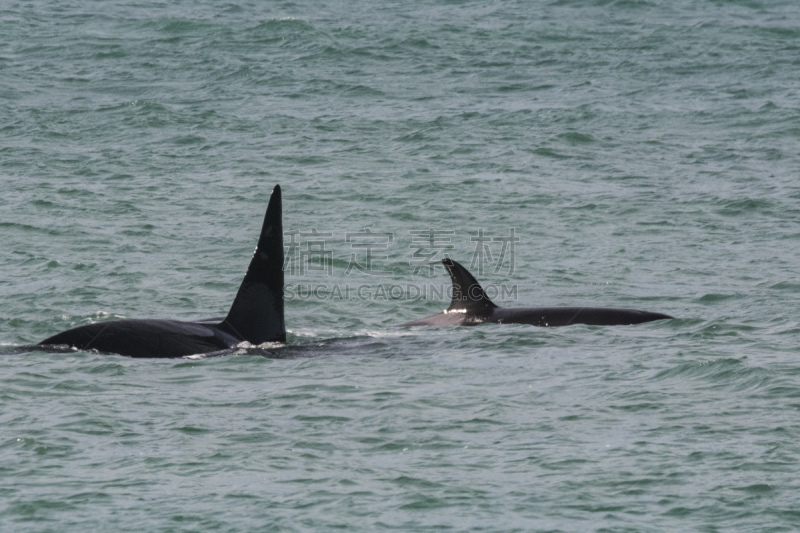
257	312
468	295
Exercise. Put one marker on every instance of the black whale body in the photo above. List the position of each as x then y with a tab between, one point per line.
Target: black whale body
256	315
470	306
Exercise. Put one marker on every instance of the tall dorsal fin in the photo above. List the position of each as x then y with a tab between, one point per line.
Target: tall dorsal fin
257	312
468	295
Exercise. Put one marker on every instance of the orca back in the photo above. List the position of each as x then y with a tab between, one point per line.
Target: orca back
471	306
144	338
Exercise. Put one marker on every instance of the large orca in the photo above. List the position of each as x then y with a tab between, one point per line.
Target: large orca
256	315
470	306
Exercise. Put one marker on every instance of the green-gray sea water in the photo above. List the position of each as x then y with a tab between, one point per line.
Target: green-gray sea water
632	153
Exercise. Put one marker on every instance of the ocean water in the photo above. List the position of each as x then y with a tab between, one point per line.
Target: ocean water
630	153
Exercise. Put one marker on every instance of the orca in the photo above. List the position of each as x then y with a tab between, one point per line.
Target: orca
256	315
470	306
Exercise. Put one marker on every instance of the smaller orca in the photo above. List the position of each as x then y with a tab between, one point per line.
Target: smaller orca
470	306
256	315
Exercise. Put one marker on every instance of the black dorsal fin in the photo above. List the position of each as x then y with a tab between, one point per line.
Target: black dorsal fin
257	312
468	295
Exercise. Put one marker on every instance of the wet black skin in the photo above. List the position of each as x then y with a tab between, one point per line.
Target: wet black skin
470	306
256	315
